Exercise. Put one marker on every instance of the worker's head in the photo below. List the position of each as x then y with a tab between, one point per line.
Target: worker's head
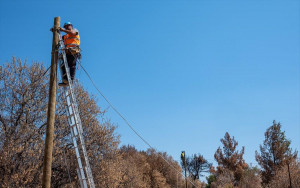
68	26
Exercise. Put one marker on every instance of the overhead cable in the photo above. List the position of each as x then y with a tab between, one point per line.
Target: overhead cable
127	122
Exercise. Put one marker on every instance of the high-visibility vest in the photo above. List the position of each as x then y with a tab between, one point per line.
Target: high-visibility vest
71	40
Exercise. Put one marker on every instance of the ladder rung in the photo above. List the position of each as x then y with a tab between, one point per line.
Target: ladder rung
82	167
74	111
73	125
70	115
68	95
75	136
75	147
62	64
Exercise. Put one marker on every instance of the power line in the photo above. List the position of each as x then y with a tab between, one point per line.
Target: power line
41	75
126	121
38	78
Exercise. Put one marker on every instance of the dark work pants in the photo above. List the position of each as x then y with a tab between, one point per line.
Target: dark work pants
72	59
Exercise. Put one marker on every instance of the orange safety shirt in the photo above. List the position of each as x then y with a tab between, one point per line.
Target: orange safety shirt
71	40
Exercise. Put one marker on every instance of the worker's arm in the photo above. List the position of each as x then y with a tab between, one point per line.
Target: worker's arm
72	32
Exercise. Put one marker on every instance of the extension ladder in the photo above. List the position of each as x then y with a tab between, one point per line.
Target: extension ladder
84	170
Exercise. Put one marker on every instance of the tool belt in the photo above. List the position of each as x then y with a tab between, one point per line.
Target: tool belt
73	50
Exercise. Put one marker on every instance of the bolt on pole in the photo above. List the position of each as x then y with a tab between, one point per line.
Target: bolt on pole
46	178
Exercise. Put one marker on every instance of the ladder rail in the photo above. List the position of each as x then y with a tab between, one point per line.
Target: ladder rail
74	135
75	123
80	134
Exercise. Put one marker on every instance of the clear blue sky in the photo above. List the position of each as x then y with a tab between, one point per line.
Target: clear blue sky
182	72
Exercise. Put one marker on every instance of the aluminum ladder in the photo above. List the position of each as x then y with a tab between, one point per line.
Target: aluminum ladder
84	170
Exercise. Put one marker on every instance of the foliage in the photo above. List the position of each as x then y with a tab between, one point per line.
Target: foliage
230	159
23	107
23	103
196	165
210	179
251	178
274	153
148	169
224	179
281	178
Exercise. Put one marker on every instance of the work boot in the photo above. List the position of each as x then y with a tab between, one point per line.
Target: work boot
65	81
62	84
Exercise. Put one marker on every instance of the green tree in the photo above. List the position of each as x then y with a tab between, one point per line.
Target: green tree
274	153
211	178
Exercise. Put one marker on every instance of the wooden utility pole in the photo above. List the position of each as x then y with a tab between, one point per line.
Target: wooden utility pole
185	172
289	175
46	179
184	164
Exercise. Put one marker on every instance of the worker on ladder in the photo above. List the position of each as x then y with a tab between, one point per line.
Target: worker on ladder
72	42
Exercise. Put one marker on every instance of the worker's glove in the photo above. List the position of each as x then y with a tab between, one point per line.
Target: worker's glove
61	29
52	29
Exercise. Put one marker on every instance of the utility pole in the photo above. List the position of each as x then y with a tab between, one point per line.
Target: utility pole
176	180
46	179
184	164
289	175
